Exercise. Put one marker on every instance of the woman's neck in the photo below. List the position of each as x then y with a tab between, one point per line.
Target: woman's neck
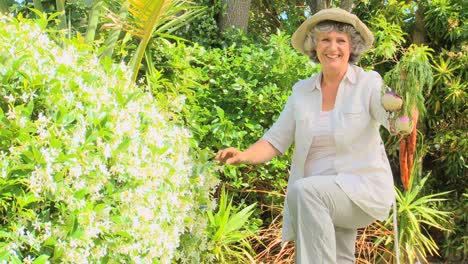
332	78
330	82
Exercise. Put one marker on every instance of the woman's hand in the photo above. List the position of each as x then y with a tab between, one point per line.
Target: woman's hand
231	156
259	152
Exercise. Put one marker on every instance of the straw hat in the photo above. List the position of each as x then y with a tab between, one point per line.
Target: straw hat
335	14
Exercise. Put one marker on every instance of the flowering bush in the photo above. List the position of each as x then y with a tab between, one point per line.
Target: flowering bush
91	171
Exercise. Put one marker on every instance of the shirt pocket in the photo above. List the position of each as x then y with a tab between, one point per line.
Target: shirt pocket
354	121
353	112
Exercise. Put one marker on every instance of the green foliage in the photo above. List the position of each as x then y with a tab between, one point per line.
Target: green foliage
75	24
91	169
416	214
449	77
444	70
229	231
453	152
444	125
447	122
396	12
446	21
411	78
267	17
150	17
204	28
456	241
388	38
236	94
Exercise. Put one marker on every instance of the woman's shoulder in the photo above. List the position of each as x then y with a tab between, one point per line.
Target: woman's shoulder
305	85
363	74
366	81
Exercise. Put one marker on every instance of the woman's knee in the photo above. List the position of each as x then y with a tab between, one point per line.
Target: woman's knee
302	189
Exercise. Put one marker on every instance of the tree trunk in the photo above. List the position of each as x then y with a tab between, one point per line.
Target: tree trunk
236	15
4	6
38	5
62	18
419	35
317	5
93	21
347	5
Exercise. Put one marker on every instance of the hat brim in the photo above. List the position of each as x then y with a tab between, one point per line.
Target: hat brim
334	14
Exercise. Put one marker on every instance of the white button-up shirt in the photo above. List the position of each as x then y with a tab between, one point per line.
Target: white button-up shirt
363	170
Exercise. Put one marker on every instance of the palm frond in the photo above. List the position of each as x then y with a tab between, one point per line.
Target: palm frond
150	17
148	14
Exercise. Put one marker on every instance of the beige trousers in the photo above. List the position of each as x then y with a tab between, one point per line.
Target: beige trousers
325	221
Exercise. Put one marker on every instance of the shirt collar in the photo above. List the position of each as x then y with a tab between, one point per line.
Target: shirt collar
350	76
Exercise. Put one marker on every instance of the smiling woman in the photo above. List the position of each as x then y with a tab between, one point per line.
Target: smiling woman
357	43
340	178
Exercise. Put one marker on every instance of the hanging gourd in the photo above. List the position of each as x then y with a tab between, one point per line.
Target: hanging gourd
409	79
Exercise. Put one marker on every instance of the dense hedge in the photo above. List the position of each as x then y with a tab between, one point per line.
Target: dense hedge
91	169
233	95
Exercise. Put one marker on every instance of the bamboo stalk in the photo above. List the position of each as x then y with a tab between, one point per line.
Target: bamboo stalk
93	21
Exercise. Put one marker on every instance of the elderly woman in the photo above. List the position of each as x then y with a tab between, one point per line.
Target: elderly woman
340	176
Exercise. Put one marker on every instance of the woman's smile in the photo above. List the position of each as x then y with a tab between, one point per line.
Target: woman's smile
333	50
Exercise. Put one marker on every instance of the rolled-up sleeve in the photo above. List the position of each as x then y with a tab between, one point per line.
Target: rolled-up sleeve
376	109
281	134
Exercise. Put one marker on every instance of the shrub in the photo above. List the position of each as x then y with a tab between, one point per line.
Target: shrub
235	95
91	169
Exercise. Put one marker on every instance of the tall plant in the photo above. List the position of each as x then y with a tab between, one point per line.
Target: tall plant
416	214
150	17
411	78
228	232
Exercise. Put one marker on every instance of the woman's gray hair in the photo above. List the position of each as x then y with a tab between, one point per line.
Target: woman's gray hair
357	42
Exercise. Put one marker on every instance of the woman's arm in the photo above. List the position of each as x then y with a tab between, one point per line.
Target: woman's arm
274	142
259	152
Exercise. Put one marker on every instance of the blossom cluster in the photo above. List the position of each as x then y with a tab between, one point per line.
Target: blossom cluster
92	168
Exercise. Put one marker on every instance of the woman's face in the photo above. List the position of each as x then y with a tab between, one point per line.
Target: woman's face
333	50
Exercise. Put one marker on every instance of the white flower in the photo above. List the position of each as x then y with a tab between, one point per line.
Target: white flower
107	151
67	57
74	243
25	97
10	98
37	226
76	171
42	119
11	113
28	260
22	122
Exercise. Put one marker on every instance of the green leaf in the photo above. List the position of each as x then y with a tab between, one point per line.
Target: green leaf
42	259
